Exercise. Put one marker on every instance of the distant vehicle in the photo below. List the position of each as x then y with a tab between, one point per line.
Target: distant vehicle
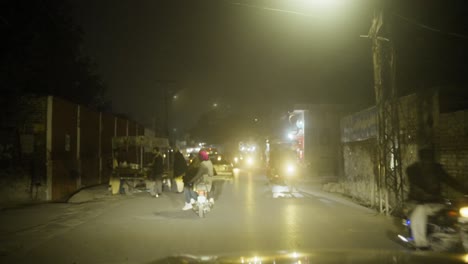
283	169
246	161
222	166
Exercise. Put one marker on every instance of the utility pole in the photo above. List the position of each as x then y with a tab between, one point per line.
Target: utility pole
162	109
390	176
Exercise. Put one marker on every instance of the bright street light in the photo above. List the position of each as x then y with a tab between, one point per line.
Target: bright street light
321	3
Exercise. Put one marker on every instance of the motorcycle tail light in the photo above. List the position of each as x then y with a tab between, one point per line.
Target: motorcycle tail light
452	213
201	192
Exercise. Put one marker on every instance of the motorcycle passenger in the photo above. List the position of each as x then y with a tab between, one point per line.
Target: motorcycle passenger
204	173
425	193
179	166
188	185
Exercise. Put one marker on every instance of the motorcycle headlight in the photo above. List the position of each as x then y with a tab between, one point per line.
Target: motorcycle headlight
250	161
464	211
290	168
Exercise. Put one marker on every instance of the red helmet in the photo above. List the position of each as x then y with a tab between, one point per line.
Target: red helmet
203	155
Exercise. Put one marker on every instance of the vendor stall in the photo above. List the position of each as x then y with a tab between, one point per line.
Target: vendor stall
131	158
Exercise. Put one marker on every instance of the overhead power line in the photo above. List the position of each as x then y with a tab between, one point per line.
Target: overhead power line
271	9
408	20
429	28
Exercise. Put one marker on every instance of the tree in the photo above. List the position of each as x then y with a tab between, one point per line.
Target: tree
41	53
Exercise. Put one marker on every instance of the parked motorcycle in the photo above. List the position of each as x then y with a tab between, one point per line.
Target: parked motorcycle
447	230
204	203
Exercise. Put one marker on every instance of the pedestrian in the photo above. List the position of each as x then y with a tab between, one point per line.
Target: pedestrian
180	166
157	170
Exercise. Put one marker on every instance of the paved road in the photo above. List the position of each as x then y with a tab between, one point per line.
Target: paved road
139	228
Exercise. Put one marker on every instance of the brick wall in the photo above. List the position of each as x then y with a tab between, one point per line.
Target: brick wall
452	144
359	166
418	120
421	123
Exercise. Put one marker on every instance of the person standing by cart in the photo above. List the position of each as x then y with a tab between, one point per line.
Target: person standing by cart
157	170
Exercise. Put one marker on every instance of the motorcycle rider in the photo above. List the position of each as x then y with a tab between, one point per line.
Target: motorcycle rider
425	193
279	155
204	170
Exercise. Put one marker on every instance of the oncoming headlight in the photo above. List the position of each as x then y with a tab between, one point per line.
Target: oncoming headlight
290	168
464	211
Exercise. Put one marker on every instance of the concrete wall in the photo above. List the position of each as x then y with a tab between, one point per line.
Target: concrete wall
420	124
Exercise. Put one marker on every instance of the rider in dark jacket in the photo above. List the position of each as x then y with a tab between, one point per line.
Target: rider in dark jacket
426	178
191	171
180	164
157	172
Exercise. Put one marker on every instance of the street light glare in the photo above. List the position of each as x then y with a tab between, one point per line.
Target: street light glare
321	3
318	7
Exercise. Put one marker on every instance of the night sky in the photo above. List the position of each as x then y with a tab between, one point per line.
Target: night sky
255	56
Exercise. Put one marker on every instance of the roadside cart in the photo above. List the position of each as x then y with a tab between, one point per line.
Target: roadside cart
132	156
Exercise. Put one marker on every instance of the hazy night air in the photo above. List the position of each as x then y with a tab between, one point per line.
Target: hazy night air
252	56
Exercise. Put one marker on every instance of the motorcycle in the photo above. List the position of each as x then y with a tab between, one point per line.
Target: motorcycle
447	229
283	179
203	204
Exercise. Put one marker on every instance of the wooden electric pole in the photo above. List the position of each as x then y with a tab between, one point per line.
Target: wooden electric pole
389	179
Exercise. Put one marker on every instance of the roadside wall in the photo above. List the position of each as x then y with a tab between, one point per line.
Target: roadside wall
22	144
452	144
421	123
50	148
359	166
